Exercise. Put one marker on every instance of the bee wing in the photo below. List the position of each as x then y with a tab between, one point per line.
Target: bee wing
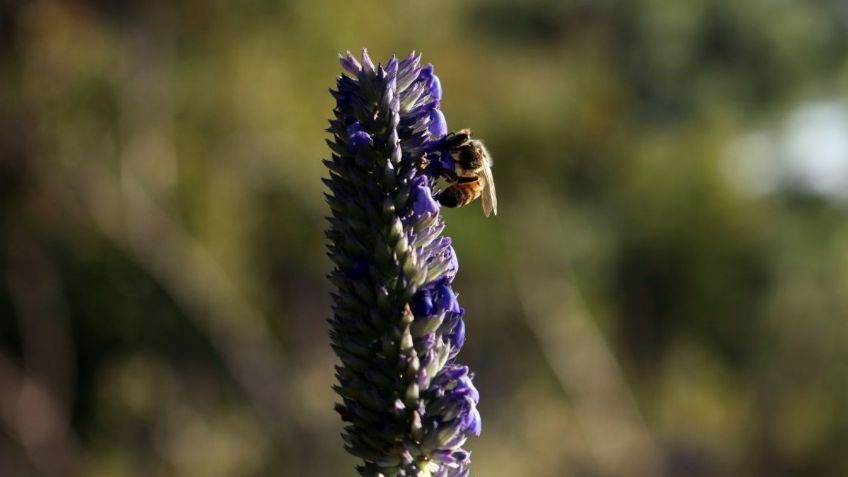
488	198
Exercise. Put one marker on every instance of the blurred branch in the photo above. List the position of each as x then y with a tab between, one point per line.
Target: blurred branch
589	374
575	349
36	401
183	266
126	208
163	246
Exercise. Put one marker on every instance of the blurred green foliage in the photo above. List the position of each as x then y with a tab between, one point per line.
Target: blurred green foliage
643	304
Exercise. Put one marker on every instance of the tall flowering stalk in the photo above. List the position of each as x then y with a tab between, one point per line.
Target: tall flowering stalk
397	326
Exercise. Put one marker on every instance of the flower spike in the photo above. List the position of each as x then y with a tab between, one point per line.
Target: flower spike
397	327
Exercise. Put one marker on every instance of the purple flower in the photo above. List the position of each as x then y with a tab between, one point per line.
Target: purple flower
357	137
438	125
422	197
397	326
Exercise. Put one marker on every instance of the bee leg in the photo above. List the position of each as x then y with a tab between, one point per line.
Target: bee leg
446	166
450	174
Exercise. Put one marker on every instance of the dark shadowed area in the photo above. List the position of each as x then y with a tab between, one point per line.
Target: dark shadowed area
664	291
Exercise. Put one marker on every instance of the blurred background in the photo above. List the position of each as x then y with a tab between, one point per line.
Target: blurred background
664	291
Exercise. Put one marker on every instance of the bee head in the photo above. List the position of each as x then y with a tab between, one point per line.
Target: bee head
457	140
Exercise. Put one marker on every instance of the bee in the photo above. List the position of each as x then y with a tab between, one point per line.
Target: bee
472	174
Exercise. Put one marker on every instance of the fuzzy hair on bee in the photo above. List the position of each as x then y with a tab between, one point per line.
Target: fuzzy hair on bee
472	174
